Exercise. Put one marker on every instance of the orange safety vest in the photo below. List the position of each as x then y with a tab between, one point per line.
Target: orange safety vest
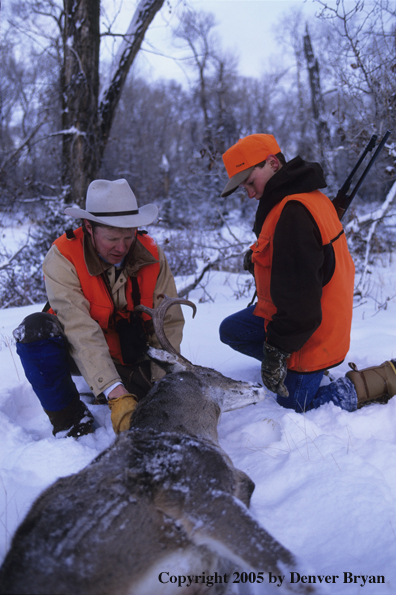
330	342
96	292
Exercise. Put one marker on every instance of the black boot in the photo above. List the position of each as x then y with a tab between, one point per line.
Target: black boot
75	417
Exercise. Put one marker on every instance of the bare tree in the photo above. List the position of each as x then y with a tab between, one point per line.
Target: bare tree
153	120
29	107
215	76
318	108
69	31
290	38
361	52
88	118
196	29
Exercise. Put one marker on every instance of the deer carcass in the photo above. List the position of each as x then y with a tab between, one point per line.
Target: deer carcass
158	512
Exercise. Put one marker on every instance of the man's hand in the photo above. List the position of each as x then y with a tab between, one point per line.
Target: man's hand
121	411
274	369
118	391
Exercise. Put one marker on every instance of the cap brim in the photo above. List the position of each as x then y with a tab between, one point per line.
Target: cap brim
147	214
236	180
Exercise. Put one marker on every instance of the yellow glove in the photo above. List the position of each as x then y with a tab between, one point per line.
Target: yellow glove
121	411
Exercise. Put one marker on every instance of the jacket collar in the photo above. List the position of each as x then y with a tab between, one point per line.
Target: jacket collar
137	258
296	177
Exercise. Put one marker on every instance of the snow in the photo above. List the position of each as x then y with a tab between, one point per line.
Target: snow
325	481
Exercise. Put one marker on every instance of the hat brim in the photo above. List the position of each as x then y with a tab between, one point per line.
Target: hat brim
146	215
236	180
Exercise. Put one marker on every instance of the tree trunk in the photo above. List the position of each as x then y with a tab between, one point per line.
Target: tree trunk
86	119
110	96
80	88
322	130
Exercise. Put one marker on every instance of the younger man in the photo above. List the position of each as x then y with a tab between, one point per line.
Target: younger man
304	276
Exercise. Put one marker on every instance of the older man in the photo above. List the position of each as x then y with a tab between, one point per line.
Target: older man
95	276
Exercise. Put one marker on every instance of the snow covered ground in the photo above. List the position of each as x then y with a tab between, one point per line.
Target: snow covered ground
325	481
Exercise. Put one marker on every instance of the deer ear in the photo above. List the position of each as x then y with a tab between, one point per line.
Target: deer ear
165	360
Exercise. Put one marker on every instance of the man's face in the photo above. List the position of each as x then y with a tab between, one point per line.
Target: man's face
257	181
112	243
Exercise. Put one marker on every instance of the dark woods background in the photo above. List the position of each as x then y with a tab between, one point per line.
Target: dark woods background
67	117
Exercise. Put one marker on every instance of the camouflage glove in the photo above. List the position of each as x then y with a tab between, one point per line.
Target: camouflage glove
121	411
247	262
274	370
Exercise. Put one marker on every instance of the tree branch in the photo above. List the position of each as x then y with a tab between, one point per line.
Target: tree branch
130	45
16	153
199	276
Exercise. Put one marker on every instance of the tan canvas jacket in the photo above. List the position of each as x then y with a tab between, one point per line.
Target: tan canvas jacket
88	344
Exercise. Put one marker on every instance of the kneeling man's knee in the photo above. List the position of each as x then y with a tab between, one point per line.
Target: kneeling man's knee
38	327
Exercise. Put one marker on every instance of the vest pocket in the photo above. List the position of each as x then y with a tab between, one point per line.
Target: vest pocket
261	251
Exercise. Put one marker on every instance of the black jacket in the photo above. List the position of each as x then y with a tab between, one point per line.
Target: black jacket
301	265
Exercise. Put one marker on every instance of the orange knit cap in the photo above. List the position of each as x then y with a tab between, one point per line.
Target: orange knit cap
241	158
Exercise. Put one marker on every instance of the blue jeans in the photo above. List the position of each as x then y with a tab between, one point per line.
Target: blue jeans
46	366
44	353
245	333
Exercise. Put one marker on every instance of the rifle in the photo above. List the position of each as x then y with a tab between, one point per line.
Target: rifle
343	200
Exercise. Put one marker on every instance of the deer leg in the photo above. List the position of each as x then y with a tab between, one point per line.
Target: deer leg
224	526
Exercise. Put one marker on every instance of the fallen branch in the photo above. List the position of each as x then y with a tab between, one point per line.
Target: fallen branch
199	276
375	218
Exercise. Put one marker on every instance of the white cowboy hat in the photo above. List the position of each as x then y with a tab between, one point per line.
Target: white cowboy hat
113	204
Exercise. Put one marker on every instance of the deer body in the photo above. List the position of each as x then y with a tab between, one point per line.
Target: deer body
163	500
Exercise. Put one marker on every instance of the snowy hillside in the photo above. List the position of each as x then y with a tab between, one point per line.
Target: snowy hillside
325	481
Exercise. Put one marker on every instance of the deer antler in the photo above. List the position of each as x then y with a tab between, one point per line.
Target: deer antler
158	317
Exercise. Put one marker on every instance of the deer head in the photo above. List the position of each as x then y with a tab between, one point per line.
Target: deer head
229	394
